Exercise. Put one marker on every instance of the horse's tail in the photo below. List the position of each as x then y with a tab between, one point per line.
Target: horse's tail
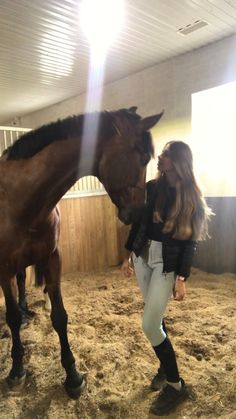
39	277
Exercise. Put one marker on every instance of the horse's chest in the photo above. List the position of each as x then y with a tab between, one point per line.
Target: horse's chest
20	248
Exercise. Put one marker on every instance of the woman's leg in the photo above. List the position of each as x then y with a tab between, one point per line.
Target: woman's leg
150	289
143	274
159	292
157	289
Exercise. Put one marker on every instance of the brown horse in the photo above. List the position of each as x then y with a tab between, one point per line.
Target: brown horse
34	174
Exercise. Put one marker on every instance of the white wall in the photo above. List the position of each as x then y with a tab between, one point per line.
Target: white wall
168	86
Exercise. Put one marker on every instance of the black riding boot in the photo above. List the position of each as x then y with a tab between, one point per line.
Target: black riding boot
166	355
169	398
160	378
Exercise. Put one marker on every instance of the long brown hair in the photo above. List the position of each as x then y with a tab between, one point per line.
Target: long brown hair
188	217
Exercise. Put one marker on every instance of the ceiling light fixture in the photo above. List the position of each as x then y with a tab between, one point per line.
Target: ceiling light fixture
192	27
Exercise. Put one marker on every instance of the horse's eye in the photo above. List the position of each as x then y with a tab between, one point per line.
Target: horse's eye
144	155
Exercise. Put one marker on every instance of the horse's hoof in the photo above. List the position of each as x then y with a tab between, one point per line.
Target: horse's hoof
75	392
16	383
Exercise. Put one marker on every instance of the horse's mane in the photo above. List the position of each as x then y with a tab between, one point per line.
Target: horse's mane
34	141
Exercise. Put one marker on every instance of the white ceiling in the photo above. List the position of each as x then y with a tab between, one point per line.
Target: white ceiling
44	55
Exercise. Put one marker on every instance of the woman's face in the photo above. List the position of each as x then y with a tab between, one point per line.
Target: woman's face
164	162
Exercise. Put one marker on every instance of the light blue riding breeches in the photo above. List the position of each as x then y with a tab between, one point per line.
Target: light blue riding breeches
156	288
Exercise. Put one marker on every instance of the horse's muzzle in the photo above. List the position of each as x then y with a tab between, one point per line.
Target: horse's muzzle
129	215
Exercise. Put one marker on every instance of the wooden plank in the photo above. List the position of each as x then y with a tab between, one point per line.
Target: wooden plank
89	234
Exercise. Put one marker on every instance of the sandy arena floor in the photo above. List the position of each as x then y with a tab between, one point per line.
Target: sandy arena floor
104	330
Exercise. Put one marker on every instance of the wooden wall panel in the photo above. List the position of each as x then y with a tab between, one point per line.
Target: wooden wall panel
89	238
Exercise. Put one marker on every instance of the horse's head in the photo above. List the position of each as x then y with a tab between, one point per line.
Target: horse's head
123	159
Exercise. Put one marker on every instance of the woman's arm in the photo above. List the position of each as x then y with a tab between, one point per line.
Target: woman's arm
184	266
186	258
132	234
126	267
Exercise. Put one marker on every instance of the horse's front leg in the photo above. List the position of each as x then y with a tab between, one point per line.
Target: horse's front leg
26	313
74	382
13	318
20	278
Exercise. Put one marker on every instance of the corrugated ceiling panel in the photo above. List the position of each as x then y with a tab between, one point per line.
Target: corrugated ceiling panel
44	56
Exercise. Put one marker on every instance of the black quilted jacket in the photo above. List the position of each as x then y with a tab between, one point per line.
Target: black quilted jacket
177	254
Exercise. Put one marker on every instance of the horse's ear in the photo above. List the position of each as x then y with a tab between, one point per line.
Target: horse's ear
133	109
149	122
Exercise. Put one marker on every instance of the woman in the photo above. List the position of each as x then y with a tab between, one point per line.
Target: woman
162	244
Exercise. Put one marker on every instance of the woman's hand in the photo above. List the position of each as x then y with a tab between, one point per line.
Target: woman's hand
179	290
126	268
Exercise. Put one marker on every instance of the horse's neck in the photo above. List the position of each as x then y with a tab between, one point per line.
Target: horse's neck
55	169
69	162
